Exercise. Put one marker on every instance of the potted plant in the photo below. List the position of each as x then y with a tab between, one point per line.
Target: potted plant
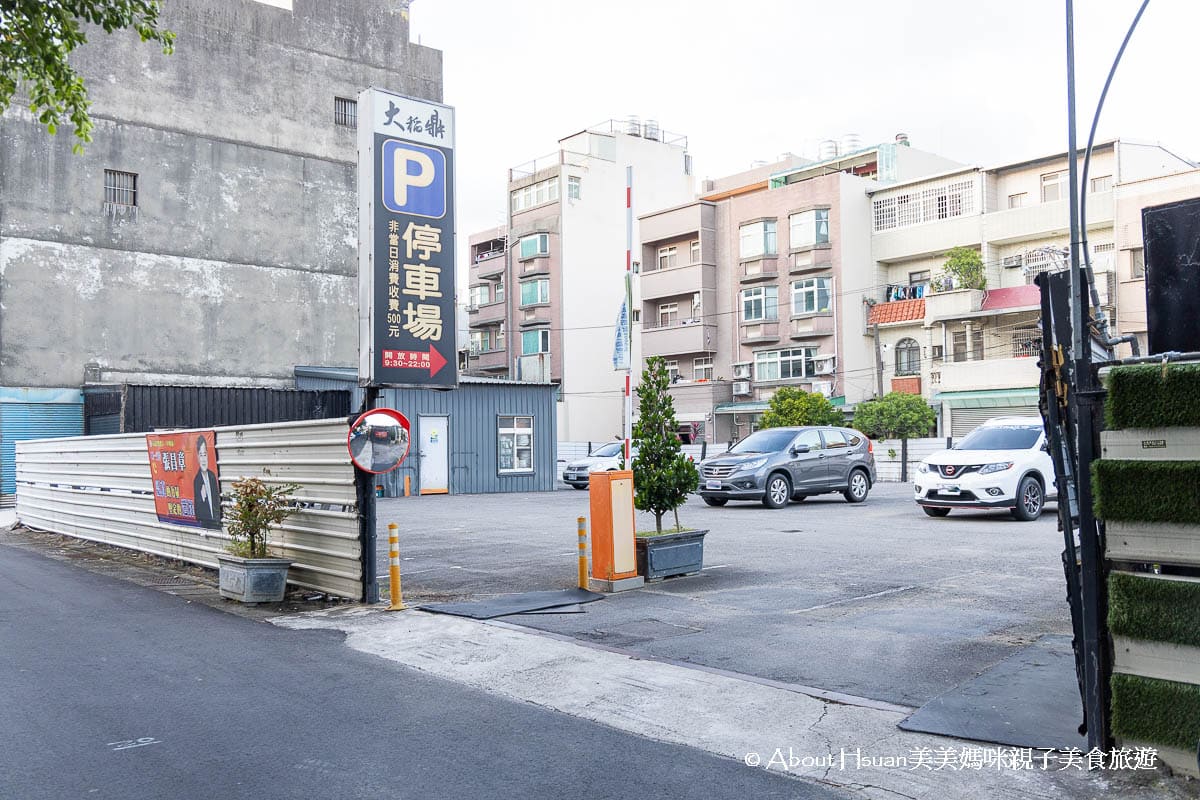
249	573
663	476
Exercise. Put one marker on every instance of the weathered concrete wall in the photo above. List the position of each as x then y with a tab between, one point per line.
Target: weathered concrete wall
241	259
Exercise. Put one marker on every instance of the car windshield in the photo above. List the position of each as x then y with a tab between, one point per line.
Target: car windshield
608	450
768	441
1000	437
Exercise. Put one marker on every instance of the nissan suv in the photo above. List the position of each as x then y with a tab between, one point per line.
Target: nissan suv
1003	463
776	465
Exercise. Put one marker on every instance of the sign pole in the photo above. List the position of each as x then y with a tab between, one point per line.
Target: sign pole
629	315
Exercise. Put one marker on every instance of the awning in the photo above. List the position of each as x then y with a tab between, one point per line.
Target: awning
698	416
1014	398
746	407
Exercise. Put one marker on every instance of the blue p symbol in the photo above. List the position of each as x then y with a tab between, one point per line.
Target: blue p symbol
414	179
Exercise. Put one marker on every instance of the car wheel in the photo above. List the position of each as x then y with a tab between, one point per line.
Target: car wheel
936	512
856	492
577	486
716	502
1030	499
779	491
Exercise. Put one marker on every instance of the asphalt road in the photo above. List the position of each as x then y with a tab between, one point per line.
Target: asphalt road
875	600
111	690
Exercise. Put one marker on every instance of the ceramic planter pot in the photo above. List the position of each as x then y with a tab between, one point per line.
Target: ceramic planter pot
253	580
669	555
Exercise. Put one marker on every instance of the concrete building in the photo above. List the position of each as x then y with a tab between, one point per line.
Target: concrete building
545	290
208	235
758	283
973	353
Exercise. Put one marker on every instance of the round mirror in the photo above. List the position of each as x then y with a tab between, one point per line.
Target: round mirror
378	440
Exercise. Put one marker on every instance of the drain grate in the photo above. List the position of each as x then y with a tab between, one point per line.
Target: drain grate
172	582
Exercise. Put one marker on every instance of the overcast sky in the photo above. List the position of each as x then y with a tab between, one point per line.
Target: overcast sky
980	81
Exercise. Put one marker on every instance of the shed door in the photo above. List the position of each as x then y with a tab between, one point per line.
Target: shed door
23	421
434	442
965	420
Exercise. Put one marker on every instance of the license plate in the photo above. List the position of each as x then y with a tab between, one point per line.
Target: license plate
949	488
712	485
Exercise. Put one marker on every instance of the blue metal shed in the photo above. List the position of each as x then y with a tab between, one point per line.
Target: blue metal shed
33	414
488	446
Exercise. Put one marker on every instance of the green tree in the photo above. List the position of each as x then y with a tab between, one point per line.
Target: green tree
791	406
965	265
895	416
662	474
36	40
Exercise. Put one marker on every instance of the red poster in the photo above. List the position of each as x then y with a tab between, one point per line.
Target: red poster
183	466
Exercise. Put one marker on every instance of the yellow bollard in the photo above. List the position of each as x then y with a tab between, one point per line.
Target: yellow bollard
583	559
394	566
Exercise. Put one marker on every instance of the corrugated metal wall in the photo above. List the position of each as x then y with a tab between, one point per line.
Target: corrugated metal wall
473	409
33	414
99	488
144	408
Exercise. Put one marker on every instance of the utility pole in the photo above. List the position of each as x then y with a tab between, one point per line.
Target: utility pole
629	316
1091	556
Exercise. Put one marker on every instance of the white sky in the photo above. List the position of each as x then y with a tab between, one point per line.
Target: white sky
980	81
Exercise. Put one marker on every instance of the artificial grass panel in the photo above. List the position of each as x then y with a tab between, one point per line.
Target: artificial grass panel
1147	491
1154	609
1142	397
1155	711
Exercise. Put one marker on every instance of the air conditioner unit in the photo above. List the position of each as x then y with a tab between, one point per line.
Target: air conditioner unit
823	365
1013	261
823	388
741	387
741	371
472	308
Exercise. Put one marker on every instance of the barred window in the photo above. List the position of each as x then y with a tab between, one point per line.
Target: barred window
345	112
120	188
943	201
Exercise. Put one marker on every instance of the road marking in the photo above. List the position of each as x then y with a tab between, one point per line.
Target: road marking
884	593
715	566
131	743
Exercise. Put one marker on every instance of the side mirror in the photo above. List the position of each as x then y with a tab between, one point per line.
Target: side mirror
797	449
1045	447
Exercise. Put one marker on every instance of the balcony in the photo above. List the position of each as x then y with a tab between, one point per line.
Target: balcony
528	316
489	267
760	332
930	238
809	325
990	373
675	281
952	304
488	314
670	340
488	360
1042	220
759	269
699	397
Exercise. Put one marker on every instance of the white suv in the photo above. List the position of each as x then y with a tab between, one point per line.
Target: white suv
1003	463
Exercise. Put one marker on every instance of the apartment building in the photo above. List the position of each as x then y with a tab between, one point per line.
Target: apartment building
973	352
546	288
749	287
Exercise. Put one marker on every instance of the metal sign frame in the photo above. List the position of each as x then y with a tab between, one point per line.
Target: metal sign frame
407	315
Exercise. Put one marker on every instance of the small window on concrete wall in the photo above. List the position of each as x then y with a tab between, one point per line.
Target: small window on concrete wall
120	188
515	444
345	112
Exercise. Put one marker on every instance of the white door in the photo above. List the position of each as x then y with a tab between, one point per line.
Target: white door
433	442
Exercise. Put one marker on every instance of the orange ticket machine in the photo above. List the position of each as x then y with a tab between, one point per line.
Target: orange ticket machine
614	560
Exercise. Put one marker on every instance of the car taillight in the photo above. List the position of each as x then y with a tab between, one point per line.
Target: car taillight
870	446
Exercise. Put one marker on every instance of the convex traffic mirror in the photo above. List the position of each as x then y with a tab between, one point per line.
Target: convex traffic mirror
378	440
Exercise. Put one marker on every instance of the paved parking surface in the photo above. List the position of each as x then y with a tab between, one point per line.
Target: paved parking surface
875	600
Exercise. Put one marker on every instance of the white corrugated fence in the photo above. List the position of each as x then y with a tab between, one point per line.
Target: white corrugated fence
99	488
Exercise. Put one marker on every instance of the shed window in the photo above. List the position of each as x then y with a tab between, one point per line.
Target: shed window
515	445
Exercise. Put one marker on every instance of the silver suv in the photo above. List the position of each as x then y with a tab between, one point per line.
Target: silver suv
775	465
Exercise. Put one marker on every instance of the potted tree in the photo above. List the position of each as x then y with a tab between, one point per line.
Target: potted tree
663	476
248	573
